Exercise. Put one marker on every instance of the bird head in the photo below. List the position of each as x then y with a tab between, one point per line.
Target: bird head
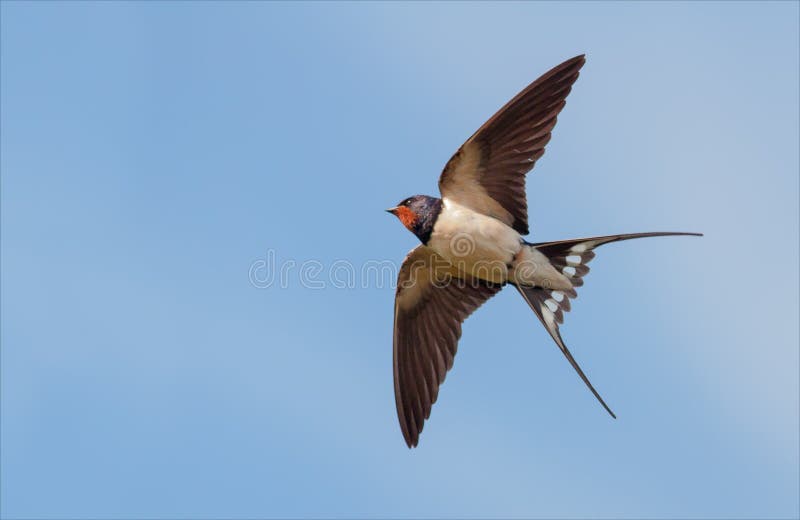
417	214
407	212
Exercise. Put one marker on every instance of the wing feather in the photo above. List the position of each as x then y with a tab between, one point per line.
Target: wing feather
427	325
487	174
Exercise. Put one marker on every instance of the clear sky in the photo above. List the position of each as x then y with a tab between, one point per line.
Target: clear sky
155	156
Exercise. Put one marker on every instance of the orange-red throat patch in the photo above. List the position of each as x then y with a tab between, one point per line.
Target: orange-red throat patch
406	216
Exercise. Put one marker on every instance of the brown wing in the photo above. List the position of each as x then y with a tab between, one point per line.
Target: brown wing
487	174
430	306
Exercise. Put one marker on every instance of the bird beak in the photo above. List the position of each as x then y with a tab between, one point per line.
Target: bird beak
393	210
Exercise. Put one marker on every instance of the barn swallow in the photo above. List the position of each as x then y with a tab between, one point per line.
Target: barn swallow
472	245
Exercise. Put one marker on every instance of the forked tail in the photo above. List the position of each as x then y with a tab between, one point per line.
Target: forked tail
569	257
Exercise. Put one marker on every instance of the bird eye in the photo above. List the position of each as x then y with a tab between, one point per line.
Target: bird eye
407	202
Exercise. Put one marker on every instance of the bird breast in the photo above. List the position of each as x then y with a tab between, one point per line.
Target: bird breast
476	244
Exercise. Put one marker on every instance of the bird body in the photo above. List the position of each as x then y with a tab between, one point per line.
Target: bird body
472	246
475	243
488	249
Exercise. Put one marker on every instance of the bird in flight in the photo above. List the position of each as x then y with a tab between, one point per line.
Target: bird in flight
472	247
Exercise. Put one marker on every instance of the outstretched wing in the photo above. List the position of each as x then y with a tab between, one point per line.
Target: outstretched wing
431	303
487	174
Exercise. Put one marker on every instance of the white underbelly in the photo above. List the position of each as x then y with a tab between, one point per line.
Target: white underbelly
476	244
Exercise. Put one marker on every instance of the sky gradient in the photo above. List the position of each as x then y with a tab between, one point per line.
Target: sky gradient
154	155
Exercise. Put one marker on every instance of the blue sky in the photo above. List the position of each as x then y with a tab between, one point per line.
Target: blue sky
153	152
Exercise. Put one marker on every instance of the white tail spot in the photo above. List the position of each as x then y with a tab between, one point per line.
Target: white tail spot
574	259
569	271
557	296
548	316
551	304
584	246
